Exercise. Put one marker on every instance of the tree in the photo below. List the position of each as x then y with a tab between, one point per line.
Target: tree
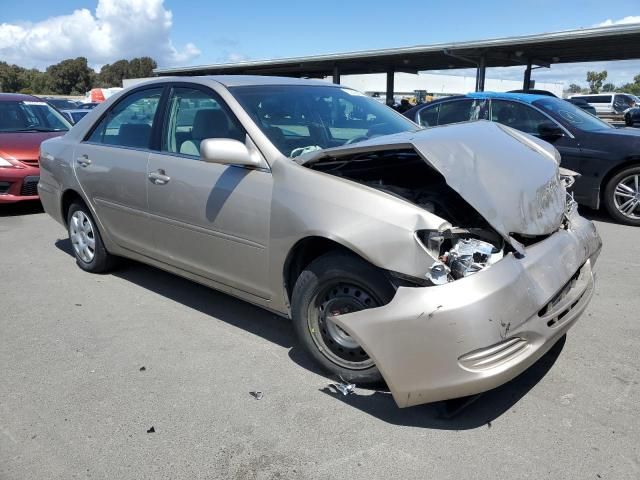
575	88
11	78
595	79
608	87
111	75
633	88
70	77
141	67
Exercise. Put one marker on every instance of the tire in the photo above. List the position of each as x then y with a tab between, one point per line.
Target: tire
624	187
331	283
86	241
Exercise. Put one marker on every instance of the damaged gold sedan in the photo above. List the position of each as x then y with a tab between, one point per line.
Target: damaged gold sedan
445	261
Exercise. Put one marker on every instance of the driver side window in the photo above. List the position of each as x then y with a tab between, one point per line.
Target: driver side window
194	115
517	115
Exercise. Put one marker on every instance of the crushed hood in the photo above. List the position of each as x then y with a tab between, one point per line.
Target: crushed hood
509	177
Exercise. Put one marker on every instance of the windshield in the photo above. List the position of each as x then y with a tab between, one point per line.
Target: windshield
570	114
31	116
300	119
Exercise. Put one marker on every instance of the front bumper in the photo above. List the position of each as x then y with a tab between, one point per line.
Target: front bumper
476	333
18	184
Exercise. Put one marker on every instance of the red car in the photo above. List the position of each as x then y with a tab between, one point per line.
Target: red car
25	122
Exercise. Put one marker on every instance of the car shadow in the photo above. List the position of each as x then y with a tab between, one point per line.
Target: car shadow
459	414
597	215
28	207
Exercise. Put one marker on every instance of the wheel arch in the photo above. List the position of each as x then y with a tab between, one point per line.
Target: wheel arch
631	161
68	197
305	251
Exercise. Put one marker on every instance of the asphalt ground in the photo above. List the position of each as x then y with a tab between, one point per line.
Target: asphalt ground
76	402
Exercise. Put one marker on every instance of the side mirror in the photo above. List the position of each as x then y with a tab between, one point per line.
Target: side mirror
549	130
227	152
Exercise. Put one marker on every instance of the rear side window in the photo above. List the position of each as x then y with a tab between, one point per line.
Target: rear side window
597	99
461	111
129	122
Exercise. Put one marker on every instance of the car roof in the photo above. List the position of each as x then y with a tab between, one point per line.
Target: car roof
249	80
17	97
522	97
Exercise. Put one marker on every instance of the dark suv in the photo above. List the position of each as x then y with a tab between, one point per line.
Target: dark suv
607	158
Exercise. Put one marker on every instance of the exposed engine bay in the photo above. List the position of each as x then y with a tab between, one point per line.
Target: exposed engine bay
458	251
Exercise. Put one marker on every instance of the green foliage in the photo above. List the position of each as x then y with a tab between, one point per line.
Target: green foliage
575	88
633	88
72	76
595	79
111	75
608	87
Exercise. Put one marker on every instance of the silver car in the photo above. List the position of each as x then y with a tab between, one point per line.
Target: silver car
445	261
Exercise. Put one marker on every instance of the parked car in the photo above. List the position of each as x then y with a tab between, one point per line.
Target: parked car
583	105
606	157
61	103
608	103
88	105
75	115
25	121
632	115
317	202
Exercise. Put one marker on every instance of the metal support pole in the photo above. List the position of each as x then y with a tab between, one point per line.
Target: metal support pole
526	84
481	73
336	75
390	87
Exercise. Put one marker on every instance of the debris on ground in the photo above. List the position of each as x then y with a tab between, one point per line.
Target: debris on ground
143	368
344	388
151	430
257	394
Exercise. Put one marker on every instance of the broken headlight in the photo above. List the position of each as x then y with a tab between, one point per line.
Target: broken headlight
460	252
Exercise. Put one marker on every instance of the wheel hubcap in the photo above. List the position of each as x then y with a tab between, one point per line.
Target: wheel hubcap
626	196
82	236
336	344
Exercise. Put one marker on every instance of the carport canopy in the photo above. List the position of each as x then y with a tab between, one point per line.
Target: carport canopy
618	42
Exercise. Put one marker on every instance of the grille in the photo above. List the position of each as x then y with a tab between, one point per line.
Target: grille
493	356
4	187
29	186
31	163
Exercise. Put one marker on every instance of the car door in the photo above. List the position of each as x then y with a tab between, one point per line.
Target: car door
209	219
111	166
528	119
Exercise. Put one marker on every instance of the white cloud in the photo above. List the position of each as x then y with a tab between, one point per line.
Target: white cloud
622	21
118	29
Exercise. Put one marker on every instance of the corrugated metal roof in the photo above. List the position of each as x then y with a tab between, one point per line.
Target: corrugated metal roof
619	42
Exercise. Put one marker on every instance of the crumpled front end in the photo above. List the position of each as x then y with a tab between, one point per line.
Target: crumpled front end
478	332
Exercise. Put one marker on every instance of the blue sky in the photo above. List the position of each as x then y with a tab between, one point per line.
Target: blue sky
201	31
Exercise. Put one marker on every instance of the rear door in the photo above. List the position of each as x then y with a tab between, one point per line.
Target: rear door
111	166
209	219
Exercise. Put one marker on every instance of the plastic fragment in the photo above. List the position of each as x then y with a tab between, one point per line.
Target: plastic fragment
257	394
344	388
151	430
143	368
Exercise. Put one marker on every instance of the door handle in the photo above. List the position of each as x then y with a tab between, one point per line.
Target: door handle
83	160
159	178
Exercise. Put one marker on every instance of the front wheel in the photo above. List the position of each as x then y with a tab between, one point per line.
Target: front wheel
622	196
335	284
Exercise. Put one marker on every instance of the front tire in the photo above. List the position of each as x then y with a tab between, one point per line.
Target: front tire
86	241
338	283
622	196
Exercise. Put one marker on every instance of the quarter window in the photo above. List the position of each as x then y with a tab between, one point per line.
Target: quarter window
194	115
428	116
518	116
129	122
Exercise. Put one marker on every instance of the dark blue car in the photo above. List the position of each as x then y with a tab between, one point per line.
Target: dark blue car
607	158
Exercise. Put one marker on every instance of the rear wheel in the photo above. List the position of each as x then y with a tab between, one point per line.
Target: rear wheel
86	241
622	196
336	284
